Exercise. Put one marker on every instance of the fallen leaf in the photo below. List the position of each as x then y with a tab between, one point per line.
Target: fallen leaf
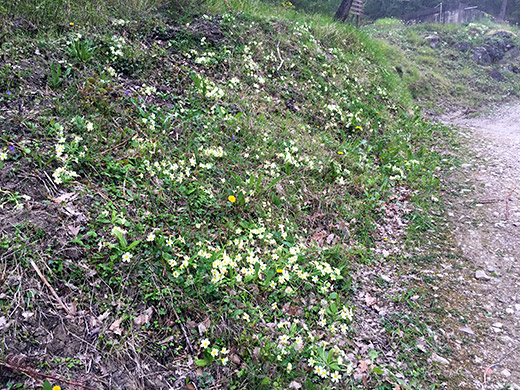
235	359
66	197
319	237
74	230
4	324
363	366
330	238
143	318
115	327
365	382
370	300
27	314
71	210
73	307
204	326
439	359
295	385
104	316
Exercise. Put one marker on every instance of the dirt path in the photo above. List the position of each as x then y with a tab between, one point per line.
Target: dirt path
486	337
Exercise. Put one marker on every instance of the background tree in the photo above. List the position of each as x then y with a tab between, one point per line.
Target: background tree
343	10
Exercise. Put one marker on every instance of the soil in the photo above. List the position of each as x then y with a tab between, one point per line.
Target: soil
484	212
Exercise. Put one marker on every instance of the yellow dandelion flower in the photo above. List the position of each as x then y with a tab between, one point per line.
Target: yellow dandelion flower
232	199
71	25
56	388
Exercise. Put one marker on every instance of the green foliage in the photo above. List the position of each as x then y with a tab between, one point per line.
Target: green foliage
57	76
444	76
52	13
82	49
234	169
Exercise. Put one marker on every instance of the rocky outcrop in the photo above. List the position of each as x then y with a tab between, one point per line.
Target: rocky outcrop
494	48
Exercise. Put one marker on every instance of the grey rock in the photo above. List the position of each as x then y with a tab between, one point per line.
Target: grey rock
433	39
467	329
496	75
440	359
463	46
481	56
481	275
505	372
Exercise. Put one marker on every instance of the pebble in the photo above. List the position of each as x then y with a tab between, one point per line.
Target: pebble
467	329
481	275
505	372
439	359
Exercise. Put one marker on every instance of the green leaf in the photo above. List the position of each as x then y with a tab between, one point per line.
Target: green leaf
133	245
378	370
373	354
333	308
266	381
78	241
47	385
201	362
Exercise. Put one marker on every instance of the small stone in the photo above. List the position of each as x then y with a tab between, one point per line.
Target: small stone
505	372
439	359
481	275
517	307
467	329
491	269
498	325
510	311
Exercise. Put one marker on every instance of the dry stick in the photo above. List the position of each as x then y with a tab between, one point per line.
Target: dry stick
115	147
65	307
486	201
498	362
507	202
279	56
33	373
184	331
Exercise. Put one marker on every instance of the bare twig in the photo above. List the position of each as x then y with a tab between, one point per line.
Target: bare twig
507	202
65	307
279	56
35	374
509	353
184	331
50	181
115	147
487	201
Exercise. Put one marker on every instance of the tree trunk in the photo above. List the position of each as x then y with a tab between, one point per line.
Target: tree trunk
344	9
503	10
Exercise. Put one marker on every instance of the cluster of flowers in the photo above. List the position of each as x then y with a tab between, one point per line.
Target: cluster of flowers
67	153
116	46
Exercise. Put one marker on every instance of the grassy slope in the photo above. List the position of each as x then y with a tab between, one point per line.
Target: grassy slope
244	178
444	77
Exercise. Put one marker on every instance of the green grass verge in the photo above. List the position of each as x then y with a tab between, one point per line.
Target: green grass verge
217	181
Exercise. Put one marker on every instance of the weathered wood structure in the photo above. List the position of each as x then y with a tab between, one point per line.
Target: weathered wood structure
450	12
350	8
